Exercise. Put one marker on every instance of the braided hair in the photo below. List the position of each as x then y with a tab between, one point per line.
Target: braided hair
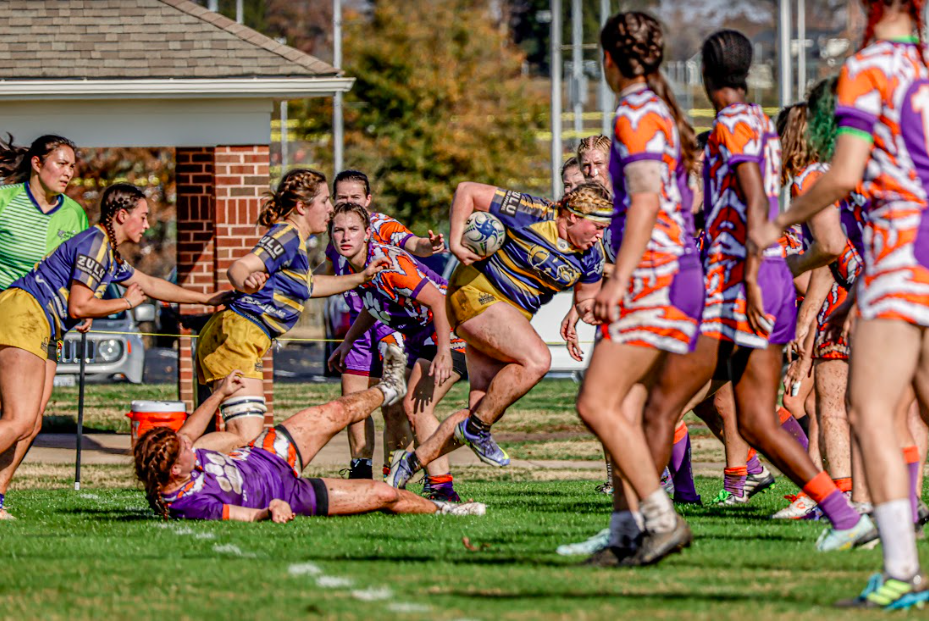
635	43
591	143
347	207
298	185
16	162
155	453
791	126
727	58
589	199
116	197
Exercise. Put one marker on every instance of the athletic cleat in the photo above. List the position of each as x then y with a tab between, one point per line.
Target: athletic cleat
831	539
468	508
726	498
656	546
605	488
667	483
891	594
400	471
483	446
922	514
757	483
802	506
393	377
6	515
590	546
610	556
443	491
361	469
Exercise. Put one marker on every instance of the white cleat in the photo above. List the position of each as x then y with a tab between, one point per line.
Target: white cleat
393	379
588	547
801	507
467	508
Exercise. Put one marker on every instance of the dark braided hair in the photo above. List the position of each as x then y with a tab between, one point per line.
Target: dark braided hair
347	207
727	57
298	185
116	197
635	43
352	175
16	162
156	452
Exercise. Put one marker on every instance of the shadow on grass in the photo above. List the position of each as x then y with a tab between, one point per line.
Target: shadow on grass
118	515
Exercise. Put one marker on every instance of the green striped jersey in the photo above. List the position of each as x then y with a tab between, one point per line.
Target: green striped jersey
27	234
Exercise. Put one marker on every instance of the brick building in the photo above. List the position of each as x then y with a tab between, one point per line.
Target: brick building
166	73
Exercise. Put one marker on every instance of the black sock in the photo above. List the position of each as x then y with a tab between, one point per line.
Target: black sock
475	426
805	424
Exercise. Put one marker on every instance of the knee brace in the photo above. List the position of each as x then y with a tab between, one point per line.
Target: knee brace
243	407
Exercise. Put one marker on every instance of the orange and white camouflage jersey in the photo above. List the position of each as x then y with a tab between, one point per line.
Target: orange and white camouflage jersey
845	269
662	306
883	96
741	133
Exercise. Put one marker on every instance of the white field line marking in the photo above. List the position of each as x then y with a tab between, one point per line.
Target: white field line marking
234	550
373	594
303	569
333	582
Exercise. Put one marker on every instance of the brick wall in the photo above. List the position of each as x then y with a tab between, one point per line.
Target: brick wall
219	191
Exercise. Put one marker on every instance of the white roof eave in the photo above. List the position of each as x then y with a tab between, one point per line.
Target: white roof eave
225	88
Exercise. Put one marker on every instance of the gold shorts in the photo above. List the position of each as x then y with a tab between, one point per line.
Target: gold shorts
470	294
24	324
230	342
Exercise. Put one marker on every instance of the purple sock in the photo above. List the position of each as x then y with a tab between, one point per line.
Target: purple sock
734	481
754	466
792	427
682	473
836	508
913	468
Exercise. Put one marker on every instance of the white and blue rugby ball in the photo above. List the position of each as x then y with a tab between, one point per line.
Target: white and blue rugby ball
484	234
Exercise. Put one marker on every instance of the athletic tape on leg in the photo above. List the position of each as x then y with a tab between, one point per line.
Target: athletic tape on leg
243	407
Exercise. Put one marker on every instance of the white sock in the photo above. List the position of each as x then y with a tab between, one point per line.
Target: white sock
895	524
624	529
658	512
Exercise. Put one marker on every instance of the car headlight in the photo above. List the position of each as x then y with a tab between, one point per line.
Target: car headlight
110	350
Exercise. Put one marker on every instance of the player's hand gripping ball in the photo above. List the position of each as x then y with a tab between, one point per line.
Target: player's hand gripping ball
484	234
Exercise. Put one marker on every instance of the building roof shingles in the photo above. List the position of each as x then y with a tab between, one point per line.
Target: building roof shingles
138	39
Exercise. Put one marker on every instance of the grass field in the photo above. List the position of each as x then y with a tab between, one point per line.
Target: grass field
100	554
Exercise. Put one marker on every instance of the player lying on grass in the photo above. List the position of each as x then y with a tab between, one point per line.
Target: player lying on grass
262	481
62	290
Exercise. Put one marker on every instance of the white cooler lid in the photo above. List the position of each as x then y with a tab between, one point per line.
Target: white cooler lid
158	406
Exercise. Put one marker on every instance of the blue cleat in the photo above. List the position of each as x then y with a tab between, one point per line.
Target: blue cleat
891	594
483	446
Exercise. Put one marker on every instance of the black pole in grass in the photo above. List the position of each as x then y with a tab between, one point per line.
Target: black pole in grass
80	413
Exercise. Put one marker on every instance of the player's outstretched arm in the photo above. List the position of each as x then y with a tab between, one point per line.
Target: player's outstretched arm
278	510
197	423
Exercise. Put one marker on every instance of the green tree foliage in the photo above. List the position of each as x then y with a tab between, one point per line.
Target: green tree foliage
439	98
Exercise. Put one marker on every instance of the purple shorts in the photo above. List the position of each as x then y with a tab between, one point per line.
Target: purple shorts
780	299
364	359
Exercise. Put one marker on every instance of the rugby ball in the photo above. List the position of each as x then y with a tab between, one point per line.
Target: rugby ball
484	234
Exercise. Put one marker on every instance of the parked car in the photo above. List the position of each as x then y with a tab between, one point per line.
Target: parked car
547	322
110	357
